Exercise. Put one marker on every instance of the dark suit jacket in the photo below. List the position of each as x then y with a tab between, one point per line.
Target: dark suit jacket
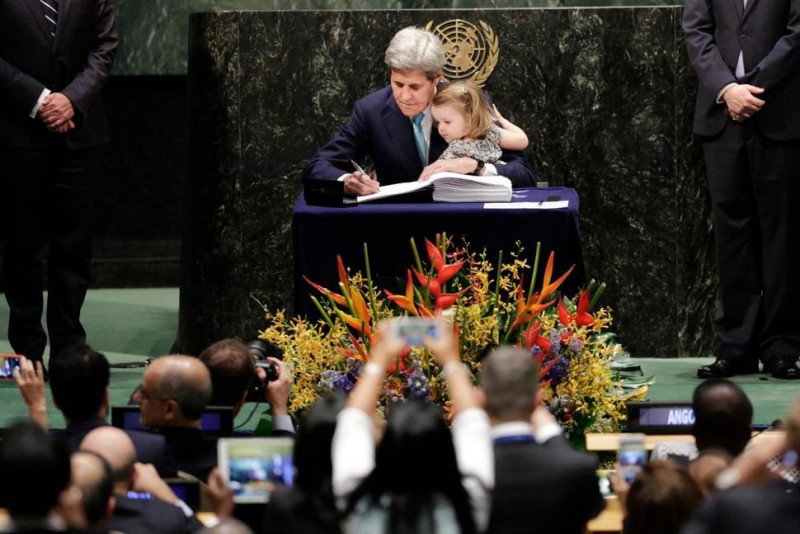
191	450
150	448
145	516
773	508
768	34
76	63
549	488
378	129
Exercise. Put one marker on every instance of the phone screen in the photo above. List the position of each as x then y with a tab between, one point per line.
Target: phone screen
253	466
7	366
414	329
631	456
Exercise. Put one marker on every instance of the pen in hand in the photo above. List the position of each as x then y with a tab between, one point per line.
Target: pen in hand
362	171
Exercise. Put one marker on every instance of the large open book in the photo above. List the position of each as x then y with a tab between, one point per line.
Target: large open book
449	187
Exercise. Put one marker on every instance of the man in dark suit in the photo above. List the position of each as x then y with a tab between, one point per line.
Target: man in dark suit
55	57
233	371
382	126
746	54
79	384
144	502
541	483
35	471
174	393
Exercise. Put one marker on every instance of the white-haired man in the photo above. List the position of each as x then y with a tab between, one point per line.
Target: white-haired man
394	127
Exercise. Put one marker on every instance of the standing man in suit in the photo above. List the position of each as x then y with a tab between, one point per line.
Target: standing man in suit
55	57
746	54
394	127
536	471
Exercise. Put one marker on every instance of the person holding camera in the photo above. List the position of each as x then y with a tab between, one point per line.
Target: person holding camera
248	373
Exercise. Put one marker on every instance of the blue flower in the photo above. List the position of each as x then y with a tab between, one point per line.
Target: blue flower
335	381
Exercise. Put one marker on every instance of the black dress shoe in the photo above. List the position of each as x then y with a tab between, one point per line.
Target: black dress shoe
784	367
724	369
718	369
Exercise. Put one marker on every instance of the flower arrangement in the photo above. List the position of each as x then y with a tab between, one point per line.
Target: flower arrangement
488	306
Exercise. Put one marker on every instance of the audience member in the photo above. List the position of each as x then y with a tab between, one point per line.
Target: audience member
756	501
233	373
79	384
93	484
419	478
723	420
308	505
708	465
660	499
536	470
174	393
415	59
34	471
144	503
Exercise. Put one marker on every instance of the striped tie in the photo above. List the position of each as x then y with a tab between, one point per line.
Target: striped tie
50	8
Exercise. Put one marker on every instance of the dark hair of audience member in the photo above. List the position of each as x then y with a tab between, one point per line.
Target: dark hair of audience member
34	469
723	416
661	499
78	381
232	370
97	492
414	461
314	505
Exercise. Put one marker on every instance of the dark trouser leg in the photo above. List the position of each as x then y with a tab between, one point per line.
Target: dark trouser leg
738	246
24	189
776	186
69	205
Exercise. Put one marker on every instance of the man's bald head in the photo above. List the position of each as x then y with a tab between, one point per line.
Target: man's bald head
116	448
93	476
175	391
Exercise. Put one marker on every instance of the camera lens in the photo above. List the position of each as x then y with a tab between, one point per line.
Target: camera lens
261	350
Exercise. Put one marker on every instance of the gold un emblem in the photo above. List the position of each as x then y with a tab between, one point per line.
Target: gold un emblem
471	52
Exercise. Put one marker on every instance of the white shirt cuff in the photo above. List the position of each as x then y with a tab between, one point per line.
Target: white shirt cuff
282	422
489	170
42	96
720	100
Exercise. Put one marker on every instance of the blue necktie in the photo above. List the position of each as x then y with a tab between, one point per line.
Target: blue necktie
419	137
50	8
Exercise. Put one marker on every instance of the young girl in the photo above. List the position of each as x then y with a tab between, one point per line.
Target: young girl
471	128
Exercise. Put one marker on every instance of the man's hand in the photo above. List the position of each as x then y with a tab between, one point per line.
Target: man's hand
459	165
277	391
30	382
147	480
220	495
57	111
742	101
358	184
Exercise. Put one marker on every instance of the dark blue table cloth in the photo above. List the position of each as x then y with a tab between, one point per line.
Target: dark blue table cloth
320	233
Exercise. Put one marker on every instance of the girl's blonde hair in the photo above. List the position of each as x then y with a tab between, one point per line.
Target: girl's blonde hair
470	101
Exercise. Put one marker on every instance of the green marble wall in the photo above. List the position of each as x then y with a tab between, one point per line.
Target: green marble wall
604	94
154	33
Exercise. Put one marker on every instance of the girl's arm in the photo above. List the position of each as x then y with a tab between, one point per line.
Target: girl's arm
511	136
353	446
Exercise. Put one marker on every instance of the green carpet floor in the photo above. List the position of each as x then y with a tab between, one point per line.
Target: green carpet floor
131	325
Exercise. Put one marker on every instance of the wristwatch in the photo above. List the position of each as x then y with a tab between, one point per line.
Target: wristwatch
479	169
